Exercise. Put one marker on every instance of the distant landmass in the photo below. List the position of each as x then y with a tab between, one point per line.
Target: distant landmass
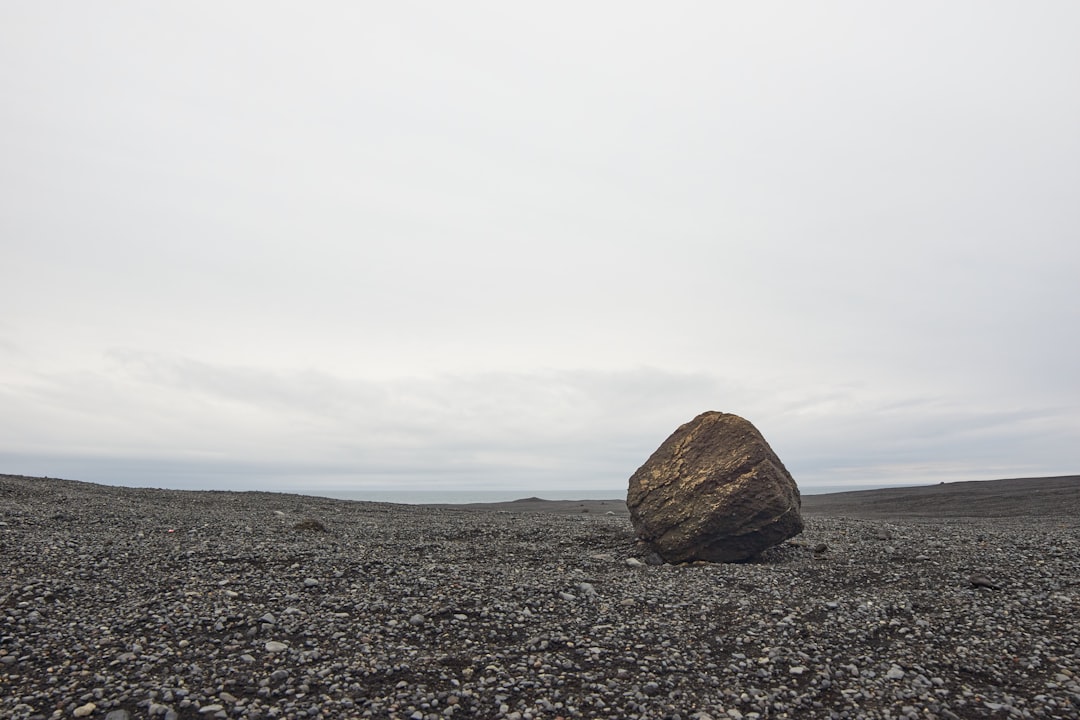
1047	496
1015	497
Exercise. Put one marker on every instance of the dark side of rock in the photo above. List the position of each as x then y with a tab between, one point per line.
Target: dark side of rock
714	491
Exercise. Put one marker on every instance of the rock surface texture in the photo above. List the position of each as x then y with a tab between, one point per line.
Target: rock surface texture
714	491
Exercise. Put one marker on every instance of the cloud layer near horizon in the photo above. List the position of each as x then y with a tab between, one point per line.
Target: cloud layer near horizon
254	428
417	245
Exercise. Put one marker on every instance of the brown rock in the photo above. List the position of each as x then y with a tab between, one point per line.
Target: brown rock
714	491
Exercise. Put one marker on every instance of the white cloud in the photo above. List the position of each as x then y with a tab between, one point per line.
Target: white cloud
555	429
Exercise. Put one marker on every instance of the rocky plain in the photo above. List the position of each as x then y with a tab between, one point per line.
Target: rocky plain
956	601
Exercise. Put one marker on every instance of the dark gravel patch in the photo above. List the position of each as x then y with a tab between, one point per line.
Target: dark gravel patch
169	604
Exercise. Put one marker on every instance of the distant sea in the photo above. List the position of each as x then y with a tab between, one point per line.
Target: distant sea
464	497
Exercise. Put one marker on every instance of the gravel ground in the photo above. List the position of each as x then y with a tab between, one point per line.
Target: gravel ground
122	603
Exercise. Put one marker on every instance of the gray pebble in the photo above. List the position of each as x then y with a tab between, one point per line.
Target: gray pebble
981	581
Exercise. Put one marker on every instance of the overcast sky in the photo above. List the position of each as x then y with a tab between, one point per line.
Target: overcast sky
440	245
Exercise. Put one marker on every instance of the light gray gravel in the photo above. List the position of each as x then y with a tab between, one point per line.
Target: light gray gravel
120	603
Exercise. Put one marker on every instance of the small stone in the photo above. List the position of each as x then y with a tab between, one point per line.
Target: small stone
275	647
895	673
310	582
634	562
981	581
84	710
417	620
650	688
118	715
797	669
207	709
567	596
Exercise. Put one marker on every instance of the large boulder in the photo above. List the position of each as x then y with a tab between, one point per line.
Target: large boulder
714	491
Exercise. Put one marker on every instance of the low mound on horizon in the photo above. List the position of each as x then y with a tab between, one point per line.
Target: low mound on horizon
1014	497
